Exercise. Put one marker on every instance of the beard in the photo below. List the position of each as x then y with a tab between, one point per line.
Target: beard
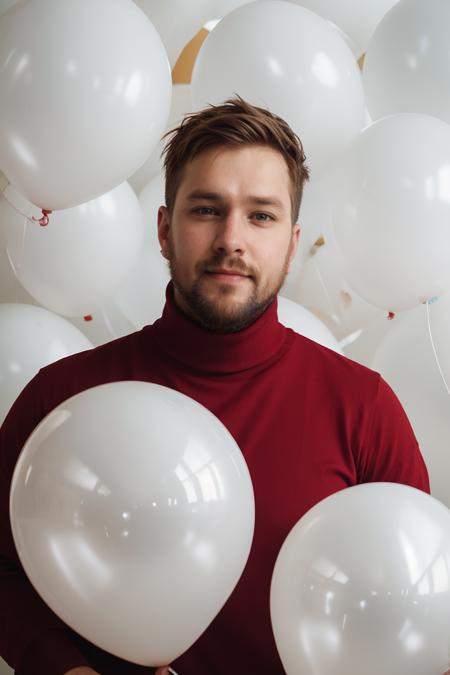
222	314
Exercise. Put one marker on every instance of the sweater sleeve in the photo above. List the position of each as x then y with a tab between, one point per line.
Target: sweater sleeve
390	449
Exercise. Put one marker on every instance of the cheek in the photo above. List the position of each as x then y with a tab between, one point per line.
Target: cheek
188	247
272	256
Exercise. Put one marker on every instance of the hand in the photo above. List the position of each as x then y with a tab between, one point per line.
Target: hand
164	670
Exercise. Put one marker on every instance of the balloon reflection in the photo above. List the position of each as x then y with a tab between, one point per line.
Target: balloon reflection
325	70
73	554
133	90
23	151
22	65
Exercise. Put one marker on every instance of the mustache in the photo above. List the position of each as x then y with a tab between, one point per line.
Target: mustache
222	260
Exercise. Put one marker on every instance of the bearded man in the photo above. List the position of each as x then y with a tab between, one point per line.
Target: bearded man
309	421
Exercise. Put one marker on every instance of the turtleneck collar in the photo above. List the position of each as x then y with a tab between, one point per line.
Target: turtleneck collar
189	343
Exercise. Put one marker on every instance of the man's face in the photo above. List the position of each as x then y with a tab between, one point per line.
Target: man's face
229	239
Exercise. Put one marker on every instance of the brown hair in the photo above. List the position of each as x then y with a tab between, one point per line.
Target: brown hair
235	122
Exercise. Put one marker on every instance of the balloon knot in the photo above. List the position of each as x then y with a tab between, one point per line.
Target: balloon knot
43	220
320	241
391	316
88	317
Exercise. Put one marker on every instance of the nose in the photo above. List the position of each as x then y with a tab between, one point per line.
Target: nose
230	235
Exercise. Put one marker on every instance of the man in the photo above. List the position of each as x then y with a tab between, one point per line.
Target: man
308	421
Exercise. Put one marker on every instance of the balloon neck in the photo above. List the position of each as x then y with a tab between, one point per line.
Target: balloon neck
44	219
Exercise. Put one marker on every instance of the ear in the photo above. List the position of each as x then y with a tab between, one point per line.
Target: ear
295	238
163	230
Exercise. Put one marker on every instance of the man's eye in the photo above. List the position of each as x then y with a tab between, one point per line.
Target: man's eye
263	217
205	211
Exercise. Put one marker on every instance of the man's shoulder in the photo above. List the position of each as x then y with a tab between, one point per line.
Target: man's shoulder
100	355
61	380
72	374
333	365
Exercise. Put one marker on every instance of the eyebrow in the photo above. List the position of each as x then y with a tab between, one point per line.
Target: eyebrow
198	195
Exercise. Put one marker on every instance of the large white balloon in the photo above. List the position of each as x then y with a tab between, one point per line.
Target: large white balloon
362	585
357	20
31	338
176	21
363	344
390	208
290	60
407	64
315	278
406	360
11	290
181	104
304	322
132	512
80	111
319	286
141	298
220	8
81	258
6	4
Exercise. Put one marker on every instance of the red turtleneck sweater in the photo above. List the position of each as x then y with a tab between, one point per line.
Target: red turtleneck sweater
308	421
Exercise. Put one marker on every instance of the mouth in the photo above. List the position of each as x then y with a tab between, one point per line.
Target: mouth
226	275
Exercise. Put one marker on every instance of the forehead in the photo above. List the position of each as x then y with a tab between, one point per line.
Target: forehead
237	171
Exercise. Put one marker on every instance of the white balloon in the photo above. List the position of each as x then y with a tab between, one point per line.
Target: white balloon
11	290
320	286
302	321
141	298
151	197
314	216
81	258
31	338
220	8
362	585
3	182
390	209
354	47
438	324
176	21
363	344
6	4
406	360
406	67
108	323
99	92
298	66
181	105
356	20
132	512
